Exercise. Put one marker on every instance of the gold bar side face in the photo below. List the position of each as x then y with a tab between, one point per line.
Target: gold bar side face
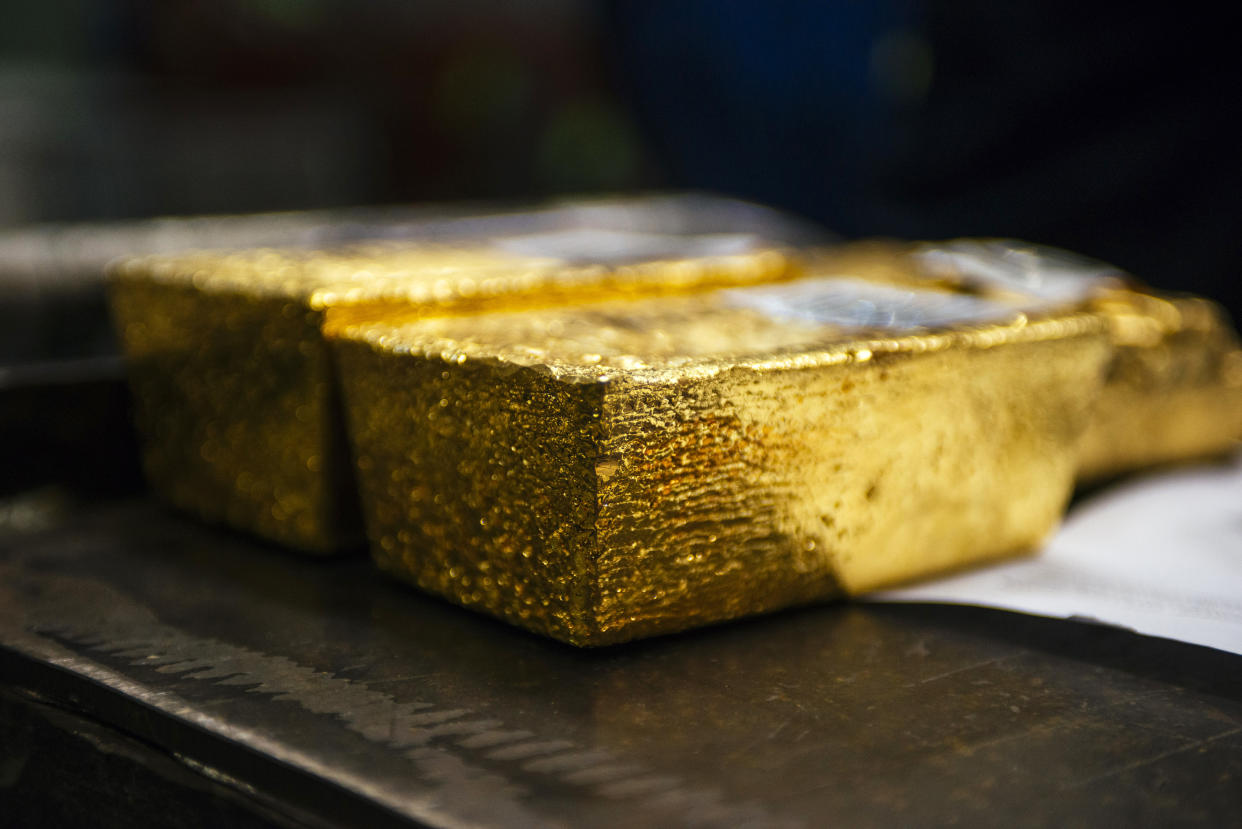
232	396
625	469
480	486
1173	391
1173	388
234	387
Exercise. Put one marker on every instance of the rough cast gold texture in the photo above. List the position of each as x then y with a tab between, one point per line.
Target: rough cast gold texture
1173	387
622	469
233	385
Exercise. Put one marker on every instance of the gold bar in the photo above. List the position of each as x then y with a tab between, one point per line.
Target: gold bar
609	471
1173	388
1173	391
234	389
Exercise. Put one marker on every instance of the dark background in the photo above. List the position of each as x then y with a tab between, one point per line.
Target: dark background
1102	127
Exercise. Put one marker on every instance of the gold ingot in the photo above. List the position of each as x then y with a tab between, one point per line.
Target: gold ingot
234	388
616	470
1173	388
1173	391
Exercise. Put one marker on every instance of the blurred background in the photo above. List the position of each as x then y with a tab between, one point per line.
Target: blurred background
1101	127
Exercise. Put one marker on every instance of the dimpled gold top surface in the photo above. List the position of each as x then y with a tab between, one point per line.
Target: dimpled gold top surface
622	469
235	394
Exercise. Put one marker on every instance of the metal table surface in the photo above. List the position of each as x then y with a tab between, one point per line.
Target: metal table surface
159	672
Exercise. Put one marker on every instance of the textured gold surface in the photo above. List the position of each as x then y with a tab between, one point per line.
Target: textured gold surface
1173	388
1173	391
234	389
622	469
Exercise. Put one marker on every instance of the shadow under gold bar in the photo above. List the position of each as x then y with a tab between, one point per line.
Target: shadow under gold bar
614	470
234	388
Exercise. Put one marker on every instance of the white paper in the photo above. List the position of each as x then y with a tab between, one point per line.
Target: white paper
1161	555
